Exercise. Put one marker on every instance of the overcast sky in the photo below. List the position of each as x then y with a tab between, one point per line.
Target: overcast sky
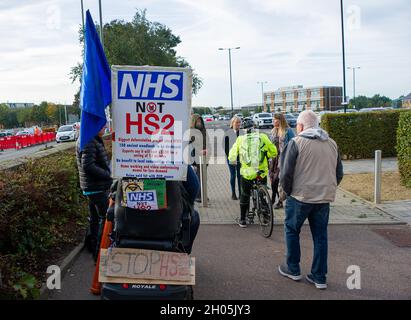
283	42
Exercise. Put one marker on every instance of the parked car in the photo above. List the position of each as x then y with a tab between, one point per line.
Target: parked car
246	123
5	134
321	113
67	133
263	119
372	109
23	133
291	120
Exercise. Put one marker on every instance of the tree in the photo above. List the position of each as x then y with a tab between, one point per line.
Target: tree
52	113
140	42
23	116
38	114
4	111
359	102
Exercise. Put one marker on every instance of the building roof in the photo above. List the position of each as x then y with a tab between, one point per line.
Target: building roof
407	97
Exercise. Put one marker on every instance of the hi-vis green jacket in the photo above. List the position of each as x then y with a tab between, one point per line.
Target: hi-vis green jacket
254	150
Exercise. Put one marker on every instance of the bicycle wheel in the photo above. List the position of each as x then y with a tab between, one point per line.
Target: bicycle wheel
265	214
253	208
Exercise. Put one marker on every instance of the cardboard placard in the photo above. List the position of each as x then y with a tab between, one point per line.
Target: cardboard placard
145	264
106	279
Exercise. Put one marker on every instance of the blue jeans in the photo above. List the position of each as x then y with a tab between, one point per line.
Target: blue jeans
296	213
235	172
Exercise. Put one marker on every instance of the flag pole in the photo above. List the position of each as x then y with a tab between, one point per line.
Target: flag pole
108	116
101	24
82	14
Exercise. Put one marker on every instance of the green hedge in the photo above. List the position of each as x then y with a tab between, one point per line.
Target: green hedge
358	135
404	148
42	214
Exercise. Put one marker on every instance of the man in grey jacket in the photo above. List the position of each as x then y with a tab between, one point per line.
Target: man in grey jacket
310	171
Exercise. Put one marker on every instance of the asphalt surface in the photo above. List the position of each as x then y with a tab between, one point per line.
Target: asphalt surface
11	154
234	263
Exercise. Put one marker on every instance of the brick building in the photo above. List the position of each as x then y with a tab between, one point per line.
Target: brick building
298	98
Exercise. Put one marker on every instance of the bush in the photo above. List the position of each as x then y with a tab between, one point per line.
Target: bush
358	135
42	211
404	148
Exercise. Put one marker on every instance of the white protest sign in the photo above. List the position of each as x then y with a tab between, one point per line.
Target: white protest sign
151	111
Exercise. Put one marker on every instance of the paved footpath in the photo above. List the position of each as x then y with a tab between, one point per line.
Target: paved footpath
221	209
234	263
367	165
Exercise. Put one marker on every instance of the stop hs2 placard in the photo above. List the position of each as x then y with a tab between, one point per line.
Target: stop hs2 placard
150	111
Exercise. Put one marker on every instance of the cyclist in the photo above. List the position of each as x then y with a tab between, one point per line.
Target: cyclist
254	149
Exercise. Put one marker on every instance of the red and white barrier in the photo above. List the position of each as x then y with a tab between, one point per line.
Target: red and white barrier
19	142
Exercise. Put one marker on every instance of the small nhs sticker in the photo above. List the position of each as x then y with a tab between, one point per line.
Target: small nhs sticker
150	85
146	200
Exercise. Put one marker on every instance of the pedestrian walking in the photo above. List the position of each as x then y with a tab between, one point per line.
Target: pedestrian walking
310	170
280	136
229	140
198	143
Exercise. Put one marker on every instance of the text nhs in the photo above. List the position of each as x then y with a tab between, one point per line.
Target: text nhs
148	85
141	196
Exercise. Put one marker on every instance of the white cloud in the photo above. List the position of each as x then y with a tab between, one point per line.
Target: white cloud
284	42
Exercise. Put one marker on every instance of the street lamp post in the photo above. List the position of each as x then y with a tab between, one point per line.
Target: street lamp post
343	56
231	79
353	80
262	91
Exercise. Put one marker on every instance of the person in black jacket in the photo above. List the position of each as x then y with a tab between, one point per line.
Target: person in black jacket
95	181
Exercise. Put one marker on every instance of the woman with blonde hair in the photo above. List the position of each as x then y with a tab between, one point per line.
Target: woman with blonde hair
229	139
280	135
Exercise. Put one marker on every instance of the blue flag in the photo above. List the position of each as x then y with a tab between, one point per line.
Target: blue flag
95	92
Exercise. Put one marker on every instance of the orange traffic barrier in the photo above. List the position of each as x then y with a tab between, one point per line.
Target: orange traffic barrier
105	243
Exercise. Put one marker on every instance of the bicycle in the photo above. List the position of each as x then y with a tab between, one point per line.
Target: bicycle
260	203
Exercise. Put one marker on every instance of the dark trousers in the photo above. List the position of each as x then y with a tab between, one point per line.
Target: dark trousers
274	188
98	205
235	173
246	186
296	213
194	226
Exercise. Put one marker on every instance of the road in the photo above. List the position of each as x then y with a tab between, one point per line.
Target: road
11	154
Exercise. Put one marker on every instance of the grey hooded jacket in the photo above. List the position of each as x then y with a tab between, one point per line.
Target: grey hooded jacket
311	167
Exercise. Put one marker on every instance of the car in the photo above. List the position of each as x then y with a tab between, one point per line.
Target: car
5	134
263	119
23	133
67	133
321	113
372	109
347	111
291	120
246	123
